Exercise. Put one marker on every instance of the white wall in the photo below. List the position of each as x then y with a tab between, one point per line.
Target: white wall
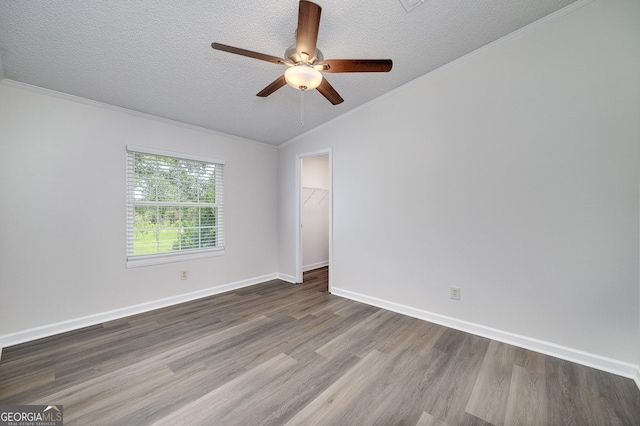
62	210
512	173
315	172
315	212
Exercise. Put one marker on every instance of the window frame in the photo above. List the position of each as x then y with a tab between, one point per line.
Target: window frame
173	256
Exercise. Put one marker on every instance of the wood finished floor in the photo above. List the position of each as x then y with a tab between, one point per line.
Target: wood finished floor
278	353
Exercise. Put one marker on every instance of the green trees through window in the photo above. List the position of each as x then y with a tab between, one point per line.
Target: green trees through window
174	204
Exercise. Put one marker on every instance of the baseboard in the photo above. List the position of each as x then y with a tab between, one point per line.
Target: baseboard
316	265
77	323
621	368
288	278
609	365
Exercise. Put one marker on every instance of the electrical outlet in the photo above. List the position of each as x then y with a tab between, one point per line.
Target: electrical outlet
455	293
184	275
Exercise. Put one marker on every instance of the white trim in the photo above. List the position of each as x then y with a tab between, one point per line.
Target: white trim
613	366
298	220
542	21
330	275
298	206
316	265
60	95
77	323
599	362
133	260
288	278
175	256
172	154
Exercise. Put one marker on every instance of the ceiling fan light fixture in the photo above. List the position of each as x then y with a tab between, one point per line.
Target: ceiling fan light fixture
305	61
303	77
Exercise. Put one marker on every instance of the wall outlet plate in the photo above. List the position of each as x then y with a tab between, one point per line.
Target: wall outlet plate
455	293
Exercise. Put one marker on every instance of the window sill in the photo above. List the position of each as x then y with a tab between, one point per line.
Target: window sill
158	259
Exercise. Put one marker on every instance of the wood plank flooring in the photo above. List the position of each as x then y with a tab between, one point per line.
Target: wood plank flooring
283	354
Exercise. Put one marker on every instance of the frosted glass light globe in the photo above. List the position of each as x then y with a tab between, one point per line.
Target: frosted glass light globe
303	77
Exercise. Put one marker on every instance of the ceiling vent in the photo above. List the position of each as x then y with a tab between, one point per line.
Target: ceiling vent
409	5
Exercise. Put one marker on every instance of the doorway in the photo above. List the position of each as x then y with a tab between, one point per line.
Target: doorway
314	213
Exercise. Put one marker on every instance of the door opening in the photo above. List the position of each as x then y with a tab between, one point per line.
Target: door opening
314	213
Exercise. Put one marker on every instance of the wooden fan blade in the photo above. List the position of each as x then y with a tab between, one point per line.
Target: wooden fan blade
358	65
329	92
248	53
308	26
275	85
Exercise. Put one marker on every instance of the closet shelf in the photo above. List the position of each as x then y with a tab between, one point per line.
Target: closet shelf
324	192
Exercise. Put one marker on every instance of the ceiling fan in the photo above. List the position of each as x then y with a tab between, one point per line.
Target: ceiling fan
305	61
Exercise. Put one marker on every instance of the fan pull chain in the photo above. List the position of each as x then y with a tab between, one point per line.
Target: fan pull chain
302	108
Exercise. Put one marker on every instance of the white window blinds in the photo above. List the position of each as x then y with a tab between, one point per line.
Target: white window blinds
175	205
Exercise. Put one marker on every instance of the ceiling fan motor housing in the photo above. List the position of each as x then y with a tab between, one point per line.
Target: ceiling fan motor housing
295	57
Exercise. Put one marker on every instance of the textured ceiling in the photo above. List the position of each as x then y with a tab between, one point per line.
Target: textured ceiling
156	57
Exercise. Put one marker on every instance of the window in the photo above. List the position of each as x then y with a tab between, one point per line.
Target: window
175	206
